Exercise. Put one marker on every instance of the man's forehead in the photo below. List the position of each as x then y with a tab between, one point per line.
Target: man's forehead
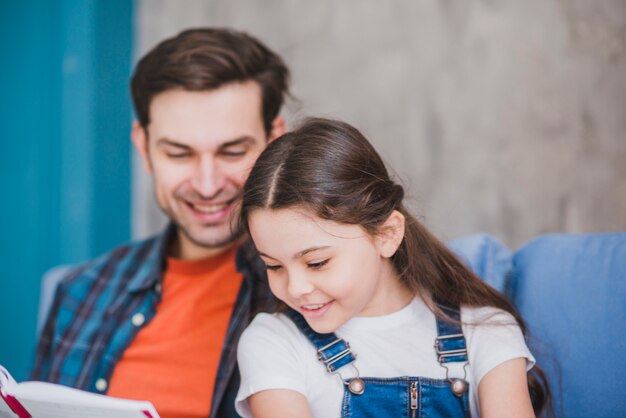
230	100
208	118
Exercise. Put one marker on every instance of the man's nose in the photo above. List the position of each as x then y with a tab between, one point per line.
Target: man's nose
207	179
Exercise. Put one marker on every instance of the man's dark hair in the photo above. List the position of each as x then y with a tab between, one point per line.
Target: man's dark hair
206	59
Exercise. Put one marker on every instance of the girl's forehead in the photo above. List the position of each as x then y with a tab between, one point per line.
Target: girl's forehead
295	220
295	212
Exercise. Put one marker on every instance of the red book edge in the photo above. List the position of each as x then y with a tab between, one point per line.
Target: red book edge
15	406
21	412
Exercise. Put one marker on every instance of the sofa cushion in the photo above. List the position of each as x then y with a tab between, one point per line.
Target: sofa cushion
571	290
487	257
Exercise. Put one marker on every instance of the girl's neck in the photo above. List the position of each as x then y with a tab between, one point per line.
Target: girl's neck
391	295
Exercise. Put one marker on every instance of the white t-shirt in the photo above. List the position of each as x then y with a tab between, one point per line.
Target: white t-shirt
274	354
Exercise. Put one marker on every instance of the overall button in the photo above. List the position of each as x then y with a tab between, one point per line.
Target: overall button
356	386
101	385
138	319
458	387
158	287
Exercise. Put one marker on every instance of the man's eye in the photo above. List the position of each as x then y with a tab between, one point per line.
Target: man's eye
318	265
178	155
235	152
272	267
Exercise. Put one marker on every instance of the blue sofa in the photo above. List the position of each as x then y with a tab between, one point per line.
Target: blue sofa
570	289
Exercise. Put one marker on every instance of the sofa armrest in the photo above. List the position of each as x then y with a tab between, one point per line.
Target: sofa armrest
49	283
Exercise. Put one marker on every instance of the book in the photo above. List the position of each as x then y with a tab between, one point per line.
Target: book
49	400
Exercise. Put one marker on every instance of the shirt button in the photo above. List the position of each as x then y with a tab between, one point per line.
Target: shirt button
138	319
101	385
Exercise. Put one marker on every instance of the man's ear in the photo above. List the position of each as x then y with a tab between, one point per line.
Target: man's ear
391	234
140	141
279	127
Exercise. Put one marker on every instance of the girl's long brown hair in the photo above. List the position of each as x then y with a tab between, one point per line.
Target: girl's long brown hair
330	168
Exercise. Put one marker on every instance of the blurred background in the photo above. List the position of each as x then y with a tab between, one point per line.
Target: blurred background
498	116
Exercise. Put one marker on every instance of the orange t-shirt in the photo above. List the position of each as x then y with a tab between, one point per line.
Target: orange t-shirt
173	360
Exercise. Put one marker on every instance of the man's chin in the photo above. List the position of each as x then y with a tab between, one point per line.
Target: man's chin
211	241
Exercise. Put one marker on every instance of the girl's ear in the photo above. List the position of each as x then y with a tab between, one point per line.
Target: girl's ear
391	234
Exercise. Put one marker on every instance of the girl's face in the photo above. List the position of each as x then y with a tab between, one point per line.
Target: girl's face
329	272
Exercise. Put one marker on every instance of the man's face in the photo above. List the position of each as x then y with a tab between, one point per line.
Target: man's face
200	147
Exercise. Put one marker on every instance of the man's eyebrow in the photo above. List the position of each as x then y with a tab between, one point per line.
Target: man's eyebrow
237	141
171	143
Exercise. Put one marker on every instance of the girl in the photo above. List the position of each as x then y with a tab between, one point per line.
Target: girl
379	318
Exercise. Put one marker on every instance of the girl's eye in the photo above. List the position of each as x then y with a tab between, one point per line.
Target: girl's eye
272	268
318	265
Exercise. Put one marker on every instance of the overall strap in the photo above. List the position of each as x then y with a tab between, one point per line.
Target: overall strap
333	351
450	342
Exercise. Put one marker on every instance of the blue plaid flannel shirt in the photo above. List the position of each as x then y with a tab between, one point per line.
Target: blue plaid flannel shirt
89	325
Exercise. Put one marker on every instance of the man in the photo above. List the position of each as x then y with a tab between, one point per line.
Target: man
160	319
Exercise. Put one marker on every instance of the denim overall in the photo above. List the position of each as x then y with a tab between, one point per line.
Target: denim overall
404	396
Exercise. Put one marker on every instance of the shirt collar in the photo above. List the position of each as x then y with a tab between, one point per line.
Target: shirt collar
151	271
247	261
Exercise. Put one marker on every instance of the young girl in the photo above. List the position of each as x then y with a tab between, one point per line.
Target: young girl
379	318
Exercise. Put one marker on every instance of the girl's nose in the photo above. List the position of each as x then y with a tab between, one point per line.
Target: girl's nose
299	285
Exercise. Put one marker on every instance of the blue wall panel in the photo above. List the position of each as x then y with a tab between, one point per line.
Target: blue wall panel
65	150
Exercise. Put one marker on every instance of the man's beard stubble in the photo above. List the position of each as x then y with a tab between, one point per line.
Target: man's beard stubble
235	234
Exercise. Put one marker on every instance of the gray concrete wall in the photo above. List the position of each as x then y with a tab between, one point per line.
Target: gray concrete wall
502	116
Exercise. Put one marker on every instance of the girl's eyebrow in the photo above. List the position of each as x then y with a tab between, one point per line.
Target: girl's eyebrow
299	253
265	255
310	249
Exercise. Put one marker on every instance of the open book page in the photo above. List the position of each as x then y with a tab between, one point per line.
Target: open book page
6	380
50	400
5	411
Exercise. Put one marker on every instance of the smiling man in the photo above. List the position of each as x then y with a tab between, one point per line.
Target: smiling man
160	319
